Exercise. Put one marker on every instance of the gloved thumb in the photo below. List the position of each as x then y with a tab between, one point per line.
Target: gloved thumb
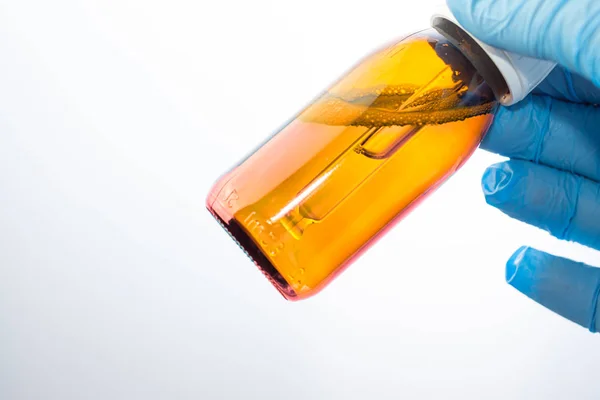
568	288
567	32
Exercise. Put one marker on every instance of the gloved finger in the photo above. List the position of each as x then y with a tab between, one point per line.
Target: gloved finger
568	288
551	132
567	86
566	205
567	32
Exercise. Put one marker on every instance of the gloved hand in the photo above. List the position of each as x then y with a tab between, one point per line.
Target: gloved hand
553	139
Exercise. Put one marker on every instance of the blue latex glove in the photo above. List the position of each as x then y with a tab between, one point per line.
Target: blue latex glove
553	140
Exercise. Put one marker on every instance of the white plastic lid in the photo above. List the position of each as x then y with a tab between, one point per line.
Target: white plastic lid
522	74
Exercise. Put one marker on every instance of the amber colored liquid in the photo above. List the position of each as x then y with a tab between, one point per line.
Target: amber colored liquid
322	189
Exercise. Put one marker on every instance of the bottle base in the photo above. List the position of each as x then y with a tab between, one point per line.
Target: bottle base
245	242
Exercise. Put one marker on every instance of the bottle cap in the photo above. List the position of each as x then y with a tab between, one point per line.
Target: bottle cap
522	74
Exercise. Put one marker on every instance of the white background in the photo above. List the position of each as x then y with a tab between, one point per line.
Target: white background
115	283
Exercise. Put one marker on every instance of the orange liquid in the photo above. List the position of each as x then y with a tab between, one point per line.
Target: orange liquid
322	189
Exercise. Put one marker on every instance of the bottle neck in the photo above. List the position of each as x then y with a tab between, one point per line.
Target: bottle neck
476	55
513	76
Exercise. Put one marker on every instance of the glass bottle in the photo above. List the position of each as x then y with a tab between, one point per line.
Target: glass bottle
348	167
